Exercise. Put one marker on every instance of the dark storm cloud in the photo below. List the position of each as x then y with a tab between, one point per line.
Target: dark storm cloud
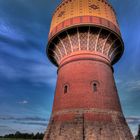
36	121
29	11
22	119
23	34
15	44
24	70
31	70
32	123
133	120
23	26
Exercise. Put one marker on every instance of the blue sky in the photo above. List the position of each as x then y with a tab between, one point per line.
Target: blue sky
27	78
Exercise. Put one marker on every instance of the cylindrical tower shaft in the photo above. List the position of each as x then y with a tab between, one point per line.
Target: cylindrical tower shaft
86	104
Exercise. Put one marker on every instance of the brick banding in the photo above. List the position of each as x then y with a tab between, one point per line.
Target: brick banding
84	20
90	110
85	58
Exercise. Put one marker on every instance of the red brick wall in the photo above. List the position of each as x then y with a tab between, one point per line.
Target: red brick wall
79	76
84	114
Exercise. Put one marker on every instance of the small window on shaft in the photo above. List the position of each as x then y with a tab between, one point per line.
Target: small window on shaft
65	89
94	87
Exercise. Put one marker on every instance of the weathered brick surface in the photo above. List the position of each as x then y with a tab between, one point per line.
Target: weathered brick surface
81	128
80	75
81	113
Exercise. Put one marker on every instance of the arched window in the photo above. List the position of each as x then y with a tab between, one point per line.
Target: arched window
65	89
95	86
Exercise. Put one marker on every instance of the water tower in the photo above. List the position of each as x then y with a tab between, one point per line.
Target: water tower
84	43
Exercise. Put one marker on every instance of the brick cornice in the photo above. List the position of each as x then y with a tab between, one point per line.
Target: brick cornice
84	20
90	110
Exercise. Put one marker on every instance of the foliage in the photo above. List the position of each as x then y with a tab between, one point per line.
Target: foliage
24	136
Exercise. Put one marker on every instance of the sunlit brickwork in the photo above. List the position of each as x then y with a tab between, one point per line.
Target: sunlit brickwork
84	43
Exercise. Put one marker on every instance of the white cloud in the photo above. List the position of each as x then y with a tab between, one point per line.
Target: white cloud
133	122
8	31
133	85
23	102
118	81
129	85
133	119
42	74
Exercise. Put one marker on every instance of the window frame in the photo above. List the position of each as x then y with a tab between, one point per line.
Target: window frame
65	88
95	85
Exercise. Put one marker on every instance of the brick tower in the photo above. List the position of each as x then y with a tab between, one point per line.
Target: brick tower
138	135
84	43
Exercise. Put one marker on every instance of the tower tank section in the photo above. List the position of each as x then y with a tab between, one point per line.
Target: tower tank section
84	25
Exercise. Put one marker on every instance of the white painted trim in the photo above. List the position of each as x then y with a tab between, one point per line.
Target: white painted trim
114	51
105	42
111	46
57	48
97	39
70	41
55	54
88	38
63	45
78	38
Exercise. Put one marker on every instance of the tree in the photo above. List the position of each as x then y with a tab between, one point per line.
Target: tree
25	135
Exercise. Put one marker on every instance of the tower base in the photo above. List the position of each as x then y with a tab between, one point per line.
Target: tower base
104	127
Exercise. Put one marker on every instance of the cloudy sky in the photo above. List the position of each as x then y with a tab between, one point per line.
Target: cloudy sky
27	78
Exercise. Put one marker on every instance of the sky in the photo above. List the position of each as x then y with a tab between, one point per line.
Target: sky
27	78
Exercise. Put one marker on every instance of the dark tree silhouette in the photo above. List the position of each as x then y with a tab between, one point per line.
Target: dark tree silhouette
24	135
